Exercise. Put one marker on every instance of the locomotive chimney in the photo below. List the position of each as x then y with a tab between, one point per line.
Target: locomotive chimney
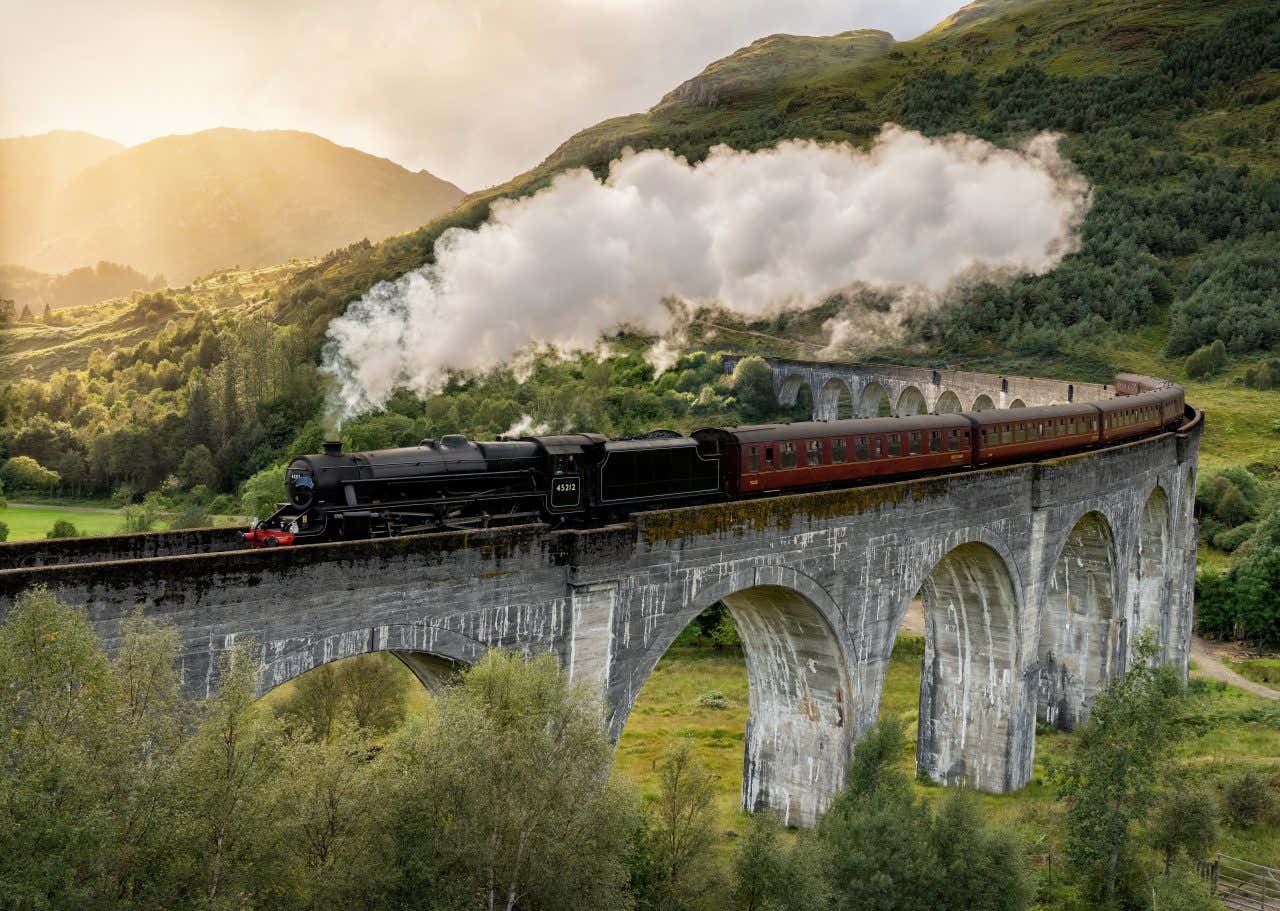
332	447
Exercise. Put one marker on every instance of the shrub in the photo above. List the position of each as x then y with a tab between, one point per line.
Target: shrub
4	531
1264	376
193	516
1248	799
63	529
713	700
1205	362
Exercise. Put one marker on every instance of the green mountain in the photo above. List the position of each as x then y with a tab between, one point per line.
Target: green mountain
186	205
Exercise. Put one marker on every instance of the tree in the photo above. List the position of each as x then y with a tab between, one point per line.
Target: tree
225	830
24	472
503	798
677	869
876	834
768	877
335	795
1185	819
752	384
375	691
4	531
1248	799
978	868
63	529
1109	784
55	747
316	704
261	492
1205	362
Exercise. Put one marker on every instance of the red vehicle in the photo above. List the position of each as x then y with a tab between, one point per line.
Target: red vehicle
768	457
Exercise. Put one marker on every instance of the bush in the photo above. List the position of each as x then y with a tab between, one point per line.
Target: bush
193	516
4	531
1248	799
1205	362
63	529
1264	376
261	493
713	700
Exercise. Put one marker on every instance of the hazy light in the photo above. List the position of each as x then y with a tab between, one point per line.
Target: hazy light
473	90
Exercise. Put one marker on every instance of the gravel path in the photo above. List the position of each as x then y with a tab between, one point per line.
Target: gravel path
1208	658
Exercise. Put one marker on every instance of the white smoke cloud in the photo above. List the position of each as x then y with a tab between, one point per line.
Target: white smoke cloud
751	232
525	427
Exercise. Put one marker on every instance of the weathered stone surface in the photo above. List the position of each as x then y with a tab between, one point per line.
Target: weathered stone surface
1035	578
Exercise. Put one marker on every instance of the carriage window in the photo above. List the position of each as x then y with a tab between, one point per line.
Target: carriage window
1006	433
860	450
768	457
1071	426
935	441
1093	423
1019	433
788	455
879	446
914	443
838	451
953	440
753	459
895	445
814	454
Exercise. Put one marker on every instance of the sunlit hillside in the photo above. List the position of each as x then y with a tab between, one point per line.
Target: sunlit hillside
184	205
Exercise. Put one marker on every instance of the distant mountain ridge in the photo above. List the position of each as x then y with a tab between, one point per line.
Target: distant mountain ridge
187	205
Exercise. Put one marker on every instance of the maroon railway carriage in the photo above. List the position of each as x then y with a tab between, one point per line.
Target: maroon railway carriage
1128	416
769	457
1009	434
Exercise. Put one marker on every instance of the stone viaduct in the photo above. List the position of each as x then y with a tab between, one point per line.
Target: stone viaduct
1035	578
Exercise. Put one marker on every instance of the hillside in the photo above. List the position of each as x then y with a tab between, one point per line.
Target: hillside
185	205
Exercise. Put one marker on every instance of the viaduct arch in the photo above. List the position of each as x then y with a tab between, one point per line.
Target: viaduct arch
1036	579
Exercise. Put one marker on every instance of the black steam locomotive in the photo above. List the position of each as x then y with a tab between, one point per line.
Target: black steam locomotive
585	479
456	483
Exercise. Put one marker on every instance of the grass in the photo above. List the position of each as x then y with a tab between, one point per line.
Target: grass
32	523
1259	670
28	524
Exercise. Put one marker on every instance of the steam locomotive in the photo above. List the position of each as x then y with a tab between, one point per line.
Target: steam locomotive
585	479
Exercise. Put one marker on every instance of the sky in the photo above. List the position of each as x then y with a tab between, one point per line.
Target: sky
474	91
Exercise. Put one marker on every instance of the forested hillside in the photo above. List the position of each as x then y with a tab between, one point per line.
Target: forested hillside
1170	109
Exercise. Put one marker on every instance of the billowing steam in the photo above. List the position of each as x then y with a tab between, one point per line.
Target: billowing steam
751	232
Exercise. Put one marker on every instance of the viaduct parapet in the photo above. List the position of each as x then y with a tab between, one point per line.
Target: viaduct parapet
1036	581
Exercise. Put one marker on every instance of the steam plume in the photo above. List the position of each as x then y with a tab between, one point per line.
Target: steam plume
752	232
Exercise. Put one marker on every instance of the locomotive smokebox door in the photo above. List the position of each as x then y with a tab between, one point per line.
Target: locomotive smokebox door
566	491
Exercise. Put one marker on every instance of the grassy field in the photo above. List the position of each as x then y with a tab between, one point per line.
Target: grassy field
26	524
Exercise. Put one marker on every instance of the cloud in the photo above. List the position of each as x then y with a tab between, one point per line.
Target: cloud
751	232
